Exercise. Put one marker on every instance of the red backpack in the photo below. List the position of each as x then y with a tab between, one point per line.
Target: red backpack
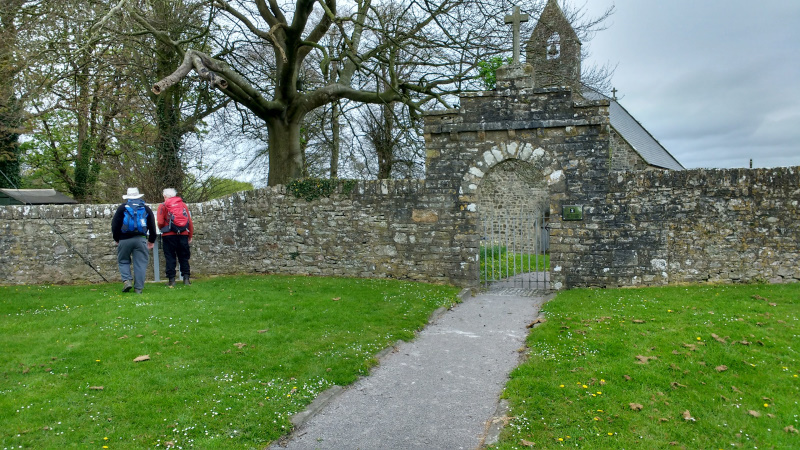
178	216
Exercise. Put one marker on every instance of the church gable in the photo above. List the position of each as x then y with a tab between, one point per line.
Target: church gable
554	50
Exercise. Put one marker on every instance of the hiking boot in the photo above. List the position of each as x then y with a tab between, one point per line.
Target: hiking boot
126	286
171	282
186	281
138	291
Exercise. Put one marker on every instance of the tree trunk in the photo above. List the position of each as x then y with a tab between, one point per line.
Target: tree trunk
10	106
384	142
285	153
335	131
169	170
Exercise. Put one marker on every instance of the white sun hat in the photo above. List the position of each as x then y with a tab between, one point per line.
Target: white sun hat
133	193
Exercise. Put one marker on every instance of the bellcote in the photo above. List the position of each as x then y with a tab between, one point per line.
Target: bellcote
554	50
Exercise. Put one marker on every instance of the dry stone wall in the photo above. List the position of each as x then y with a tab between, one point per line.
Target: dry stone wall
738	225
382	229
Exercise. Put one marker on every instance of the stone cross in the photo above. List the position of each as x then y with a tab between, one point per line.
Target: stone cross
614	92
515	19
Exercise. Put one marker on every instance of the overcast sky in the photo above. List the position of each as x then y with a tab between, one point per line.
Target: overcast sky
717	82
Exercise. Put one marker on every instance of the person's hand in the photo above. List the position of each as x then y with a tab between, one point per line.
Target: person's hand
149	245
116	243
190	239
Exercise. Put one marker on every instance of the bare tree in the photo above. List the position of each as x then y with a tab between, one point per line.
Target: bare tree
442	39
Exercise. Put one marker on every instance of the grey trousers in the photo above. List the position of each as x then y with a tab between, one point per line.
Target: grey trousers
133	249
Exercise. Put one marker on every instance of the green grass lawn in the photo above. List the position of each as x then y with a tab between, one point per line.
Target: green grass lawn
496	263
230	358
703	367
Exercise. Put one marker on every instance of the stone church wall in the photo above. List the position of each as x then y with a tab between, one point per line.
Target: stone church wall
389	229
623	156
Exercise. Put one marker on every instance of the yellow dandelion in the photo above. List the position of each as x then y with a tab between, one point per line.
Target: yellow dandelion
795	375
699	339
105	438
596	418
561	385
669	310
561	439
766	405
599	410
585	386
610	433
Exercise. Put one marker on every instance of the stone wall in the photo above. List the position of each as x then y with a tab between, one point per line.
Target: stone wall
660	227
382	229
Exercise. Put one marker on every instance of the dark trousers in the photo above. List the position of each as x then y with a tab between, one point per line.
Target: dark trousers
176	247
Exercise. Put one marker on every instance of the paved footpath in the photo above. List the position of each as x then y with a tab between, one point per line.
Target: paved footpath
440	391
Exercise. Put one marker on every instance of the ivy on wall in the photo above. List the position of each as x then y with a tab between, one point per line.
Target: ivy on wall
314	188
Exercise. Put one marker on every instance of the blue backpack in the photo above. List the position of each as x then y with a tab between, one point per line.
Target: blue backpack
135	219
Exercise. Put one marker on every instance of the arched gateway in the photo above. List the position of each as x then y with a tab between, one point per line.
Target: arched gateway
537	153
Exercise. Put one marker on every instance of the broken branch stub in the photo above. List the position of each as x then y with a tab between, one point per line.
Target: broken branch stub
191	61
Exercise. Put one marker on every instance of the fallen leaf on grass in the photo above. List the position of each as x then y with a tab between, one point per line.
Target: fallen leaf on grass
123	337
718	339
96	388
687	416
676	385
637	321
240	345
635	406
336	299
691	347
142	358
754	413
644	359
538	320
627	377
790	429
527	443
262	331
735	389
758	297
663	419
721	368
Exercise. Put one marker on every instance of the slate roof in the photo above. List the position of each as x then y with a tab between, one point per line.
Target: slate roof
635	134
37	196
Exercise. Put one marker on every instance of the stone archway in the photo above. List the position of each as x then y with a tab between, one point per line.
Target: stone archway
511	187
541	163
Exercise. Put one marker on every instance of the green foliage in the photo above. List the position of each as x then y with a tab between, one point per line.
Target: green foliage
487	70
196	190
674	367
231	358
314	188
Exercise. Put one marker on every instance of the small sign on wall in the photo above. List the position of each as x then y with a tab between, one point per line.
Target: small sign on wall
572	212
